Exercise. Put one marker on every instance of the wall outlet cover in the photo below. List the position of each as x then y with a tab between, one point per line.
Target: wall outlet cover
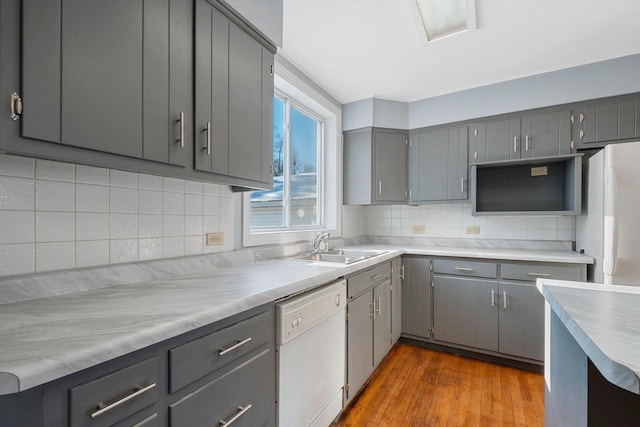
418	229
214	239
473	229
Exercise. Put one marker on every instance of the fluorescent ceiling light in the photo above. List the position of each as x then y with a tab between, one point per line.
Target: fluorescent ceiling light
436	19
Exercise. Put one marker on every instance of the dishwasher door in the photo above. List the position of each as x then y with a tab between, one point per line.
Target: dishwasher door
311	364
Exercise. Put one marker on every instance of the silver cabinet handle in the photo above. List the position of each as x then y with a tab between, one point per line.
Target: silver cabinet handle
102	408
462	185
380	187
463	269
504	298
208	130
241	412
515	144
539	274
181	121
526	143
493	298
376	276
239	344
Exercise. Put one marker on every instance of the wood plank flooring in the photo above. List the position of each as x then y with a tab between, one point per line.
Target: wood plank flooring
418	387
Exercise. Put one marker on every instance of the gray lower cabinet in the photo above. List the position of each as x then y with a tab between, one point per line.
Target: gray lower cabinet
220	372
438	165
416	296
521	320
369	324
113	77
396	299
375	166
465	311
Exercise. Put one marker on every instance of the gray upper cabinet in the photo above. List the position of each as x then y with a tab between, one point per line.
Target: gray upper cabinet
540	135
607	122
109	76
234	97
438	165
375	166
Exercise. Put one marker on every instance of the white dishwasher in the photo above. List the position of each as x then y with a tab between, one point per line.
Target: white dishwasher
311	356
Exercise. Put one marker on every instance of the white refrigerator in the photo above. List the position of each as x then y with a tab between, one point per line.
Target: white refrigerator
609	227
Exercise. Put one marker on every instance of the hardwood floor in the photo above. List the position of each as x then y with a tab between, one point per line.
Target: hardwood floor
418	387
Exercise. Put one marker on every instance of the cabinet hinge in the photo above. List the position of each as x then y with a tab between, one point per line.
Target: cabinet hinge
406	193
433	285
410	193
411	142
432	331
572	145
475	132
346	388
406	142
346	316
475	155
581	134
581	117
16	106
572	119
431	267
271	69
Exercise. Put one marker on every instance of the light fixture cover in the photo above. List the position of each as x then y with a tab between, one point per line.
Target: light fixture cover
436	19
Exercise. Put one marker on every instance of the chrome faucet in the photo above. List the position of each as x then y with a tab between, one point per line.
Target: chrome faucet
321	237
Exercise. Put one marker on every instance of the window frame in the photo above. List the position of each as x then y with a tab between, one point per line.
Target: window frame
309	101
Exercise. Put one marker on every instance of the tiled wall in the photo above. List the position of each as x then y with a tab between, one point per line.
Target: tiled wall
449	220
59	215
354	222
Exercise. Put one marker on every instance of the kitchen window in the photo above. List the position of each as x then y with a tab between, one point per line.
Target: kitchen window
296	200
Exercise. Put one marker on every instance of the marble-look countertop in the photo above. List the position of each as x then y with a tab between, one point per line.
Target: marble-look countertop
47	338
605	321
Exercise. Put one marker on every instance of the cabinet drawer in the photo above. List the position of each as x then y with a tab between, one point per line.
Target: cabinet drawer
368	279
202	356
532	272
465	268
106	400
246	394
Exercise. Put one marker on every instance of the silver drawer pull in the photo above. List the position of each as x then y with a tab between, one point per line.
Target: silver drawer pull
376	276
239	344
463	269
102	408
241	412
539	274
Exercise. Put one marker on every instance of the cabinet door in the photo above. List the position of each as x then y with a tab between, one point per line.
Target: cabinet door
245	105
544	137
637	113
521	320
391	166
416	297
465	312
99	75
477	143
267	117
359	342
381	322
429	161
457	166
211	145
396	299
499	142
626	120
246	392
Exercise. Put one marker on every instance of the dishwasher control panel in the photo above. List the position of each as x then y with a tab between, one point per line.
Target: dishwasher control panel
300	313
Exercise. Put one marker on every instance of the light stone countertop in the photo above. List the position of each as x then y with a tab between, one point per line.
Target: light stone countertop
605	322
44	339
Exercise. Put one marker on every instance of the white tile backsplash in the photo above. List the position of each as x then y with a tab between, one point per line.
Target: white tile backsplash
56	215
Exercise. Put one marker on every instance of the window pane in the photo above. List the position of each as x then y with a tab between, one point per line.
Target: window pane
303	167
267	207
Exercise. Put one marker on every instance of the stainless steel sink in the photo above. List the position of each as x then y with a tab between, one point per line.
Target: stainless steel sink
339	256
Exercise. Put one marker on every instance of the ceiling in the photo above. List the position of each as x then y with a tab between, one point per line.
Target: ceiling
358	49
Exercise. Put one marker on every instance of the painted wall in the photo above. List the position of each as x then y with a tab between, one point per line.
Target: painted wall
598	80
265	15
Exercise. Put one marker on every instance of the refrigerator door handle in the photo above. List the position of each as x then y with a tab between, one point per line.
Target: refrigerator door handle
610	257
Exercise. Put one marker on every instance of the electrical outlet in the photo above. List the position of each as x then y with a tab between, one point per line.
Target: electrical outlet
473	229
214	239
418	229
